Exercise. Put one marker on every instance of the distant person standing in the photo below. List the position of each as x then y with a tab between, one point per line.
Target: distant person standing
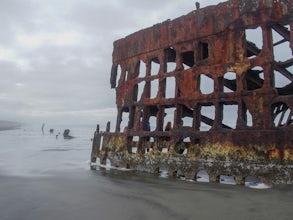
43	125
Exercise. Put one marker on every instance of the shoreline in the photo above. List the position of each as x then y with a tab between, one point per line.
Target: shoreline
9	125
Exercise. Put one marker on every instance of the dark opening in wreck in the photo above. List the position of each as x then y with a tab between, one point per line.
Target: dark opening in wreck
216	86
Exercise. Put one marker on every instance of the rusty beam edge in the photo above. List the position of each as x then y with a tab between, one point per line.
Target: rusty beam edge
242	138
134	40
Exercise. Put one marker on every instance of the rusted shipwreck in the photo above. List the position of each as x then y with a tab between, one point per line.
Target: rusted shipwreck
216	86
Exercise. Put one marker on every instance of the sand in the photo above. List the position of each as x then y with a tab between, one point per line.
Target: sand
113	195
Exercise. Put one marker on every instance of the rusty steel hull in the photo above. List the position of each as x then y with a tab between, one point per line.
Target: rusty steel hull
196	93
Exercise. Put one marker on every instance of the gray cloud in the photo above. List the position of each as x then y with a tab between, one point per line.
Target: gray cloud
55	56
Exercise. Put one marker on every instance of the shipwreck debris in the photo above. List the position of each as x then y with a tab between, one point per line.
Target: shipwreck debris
228	96
66	134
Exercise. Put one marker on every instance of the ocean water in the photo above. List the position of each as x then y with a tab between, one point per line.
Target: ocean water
29	152
47	177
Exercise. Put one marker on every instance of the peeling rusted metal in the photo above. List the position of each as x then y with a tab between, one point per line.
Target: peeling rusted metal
208	42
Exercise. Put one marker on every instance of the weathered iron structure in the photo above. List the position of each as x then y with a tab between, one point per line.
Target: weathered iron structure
216	100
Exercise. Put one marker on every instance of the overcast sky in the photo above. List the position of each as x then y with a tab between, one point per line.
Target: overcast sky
56	56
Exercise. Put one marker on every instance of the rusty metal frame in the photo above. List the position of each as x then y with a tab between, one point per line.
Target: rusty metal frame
206	43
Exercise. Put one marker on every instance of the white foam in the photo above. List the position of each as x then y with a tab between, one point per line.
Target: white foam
164	173
202	176
109	167
202	179
229	180
257	185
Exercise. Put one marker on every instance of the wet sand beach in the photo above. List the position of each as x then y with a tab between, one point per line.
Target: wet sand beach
100	195
42	177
